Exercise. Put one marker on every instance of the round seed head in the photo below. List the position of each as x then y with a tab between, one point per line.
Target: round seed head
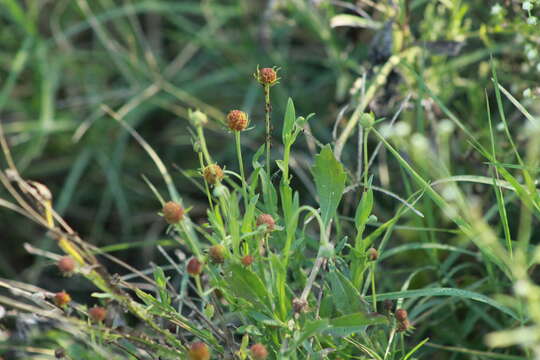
194	267
66	265
259	352
267	76
62	298
97	314
373	254
401	315
213	174
59	353
237	120
173	212
247	260
268	220
299	305
217	254
198	351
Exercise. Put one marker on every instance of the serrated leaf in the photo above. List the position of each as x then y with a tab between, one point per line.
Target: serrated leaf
330	182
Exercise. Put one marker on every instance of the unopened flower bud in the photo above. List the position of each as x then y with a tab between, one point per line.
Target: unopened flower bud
197	118
299	305
194	267
97	314
62	298
199	351
66	265
259	352
237	120
401	315
267	76
247	260
268	220
217	254
173	212
213	174
372	254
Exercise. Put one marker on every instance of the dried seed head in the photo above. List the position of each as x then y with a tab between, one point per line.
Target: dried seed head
217	254
268	220
259	352
173	212
388	305
198	351
403	325
62	298
194	267
267	76
401	315
372	254
97	314
237	120
213	174
247	260
299	305
59	353
66	265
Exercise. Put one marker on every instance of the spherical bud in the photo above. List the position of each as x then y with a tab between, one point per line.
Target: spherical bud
268	220
173	212
199	351
97	314
237	120
367	120
62	298
299	305
197	118
401	315
259	352
267	76
213	174
66	265
194	267
217	254
372	254
247	260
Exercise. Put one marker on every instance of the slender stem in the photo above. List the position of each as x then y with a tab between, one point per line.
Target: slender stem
366	162
267	111
373	292
241	165
204	149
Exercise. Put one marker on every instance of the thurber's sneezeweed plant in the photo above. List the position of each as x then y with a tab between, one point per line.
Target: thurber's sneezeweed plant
267	274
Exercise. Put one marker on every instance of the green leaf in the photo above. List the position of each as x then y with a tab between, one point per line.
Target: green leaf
466	294
346	297
161	281
330	182
288	123
245	284
352	323
311	328
363	210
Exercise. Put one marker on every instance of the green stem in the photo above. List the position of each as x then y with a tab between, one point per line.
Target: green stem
373	292
204	148
241	165
267	111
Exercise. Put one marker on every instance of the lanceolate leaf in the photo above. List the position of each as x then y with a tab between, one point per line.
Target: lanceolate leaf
330	182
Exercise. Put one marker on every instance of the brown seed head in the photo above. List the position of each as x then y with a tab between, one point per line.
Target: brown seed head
259	352
173	212
59	353
401	315
403	325
373	254
267	76
237	120
213	174
62	298
66	265
388	305
299	305
198	351
217	254
267	220
97	314
194	267
247	260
